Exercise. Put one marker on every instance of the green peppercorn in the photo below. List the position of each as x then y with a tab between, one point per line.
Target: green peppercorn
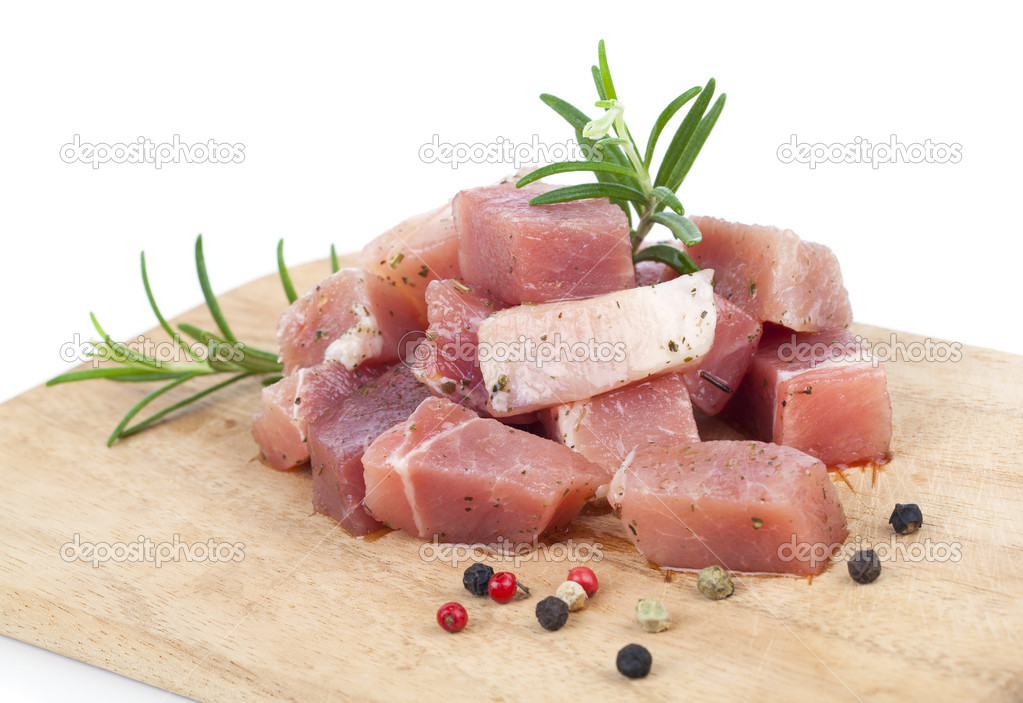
864	566
634	661
552	612
906	519
652	615
715	583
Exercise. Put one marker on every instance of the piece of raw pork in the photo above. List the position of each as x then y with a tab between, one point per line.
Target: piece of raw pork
291	404
746	506
339	438
522	253
448	474
411	255
820	393
773	274
540	356
447	361
606	427
352	317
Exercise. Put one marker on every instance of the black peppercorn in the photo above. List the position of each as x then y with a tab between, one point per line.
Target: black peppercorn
906	519
476	579
552	612
634	661
864	566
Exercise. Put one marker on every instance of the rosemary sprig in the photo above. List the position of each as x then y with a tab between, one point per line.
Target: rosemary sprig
623	176
213	354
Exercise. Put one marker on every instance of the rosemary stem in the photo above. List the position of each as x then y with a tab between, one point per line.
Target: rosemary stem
630	151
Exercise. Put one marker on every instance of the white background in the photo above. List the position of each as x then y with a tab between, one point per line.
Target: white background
333	104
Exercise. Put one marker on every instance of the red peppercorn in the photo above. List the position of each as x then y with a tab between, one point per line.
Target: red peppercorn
502	586
452	617
584	576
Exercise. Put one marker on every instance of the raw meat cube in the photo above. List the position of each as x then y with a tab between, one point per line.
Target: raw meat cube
822	394
447	473
519	253
448	361
539	356
409	256
351	317
339	437
291	404
774	275
606	427
746	506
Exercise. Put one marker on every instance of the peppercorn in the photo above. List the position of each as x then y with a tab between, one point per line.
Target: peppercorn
634	661
584	576
476	579
652	615
573	594
864	566
502	586
906	519
452	617
715	583
552	612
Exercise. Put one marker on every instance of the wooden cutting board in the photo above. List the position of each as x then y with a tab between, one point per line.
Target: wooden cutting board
310	613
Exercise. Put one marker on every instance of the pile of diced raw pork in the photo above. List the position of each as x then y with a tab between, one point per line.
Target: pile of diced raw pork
492	366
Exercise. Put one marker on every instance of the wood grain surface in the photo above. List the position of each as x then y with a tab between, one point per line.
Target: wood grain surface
311	614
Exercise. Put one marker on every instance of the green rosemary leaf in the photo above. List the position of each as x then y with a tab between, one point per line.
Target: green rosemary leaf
590	190
289	289
683	134
573	115
114	373
682	227
207	291
597	81
695	144
159	316
570	166
669	198
180	404
664	118
129	354
149	398
606	90
605	73
240	355
675	258
624	205
334	265
270	380
207	337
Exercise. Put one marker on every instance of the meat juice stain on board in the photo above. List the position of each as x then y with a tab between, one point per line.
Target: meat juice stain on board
374	536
